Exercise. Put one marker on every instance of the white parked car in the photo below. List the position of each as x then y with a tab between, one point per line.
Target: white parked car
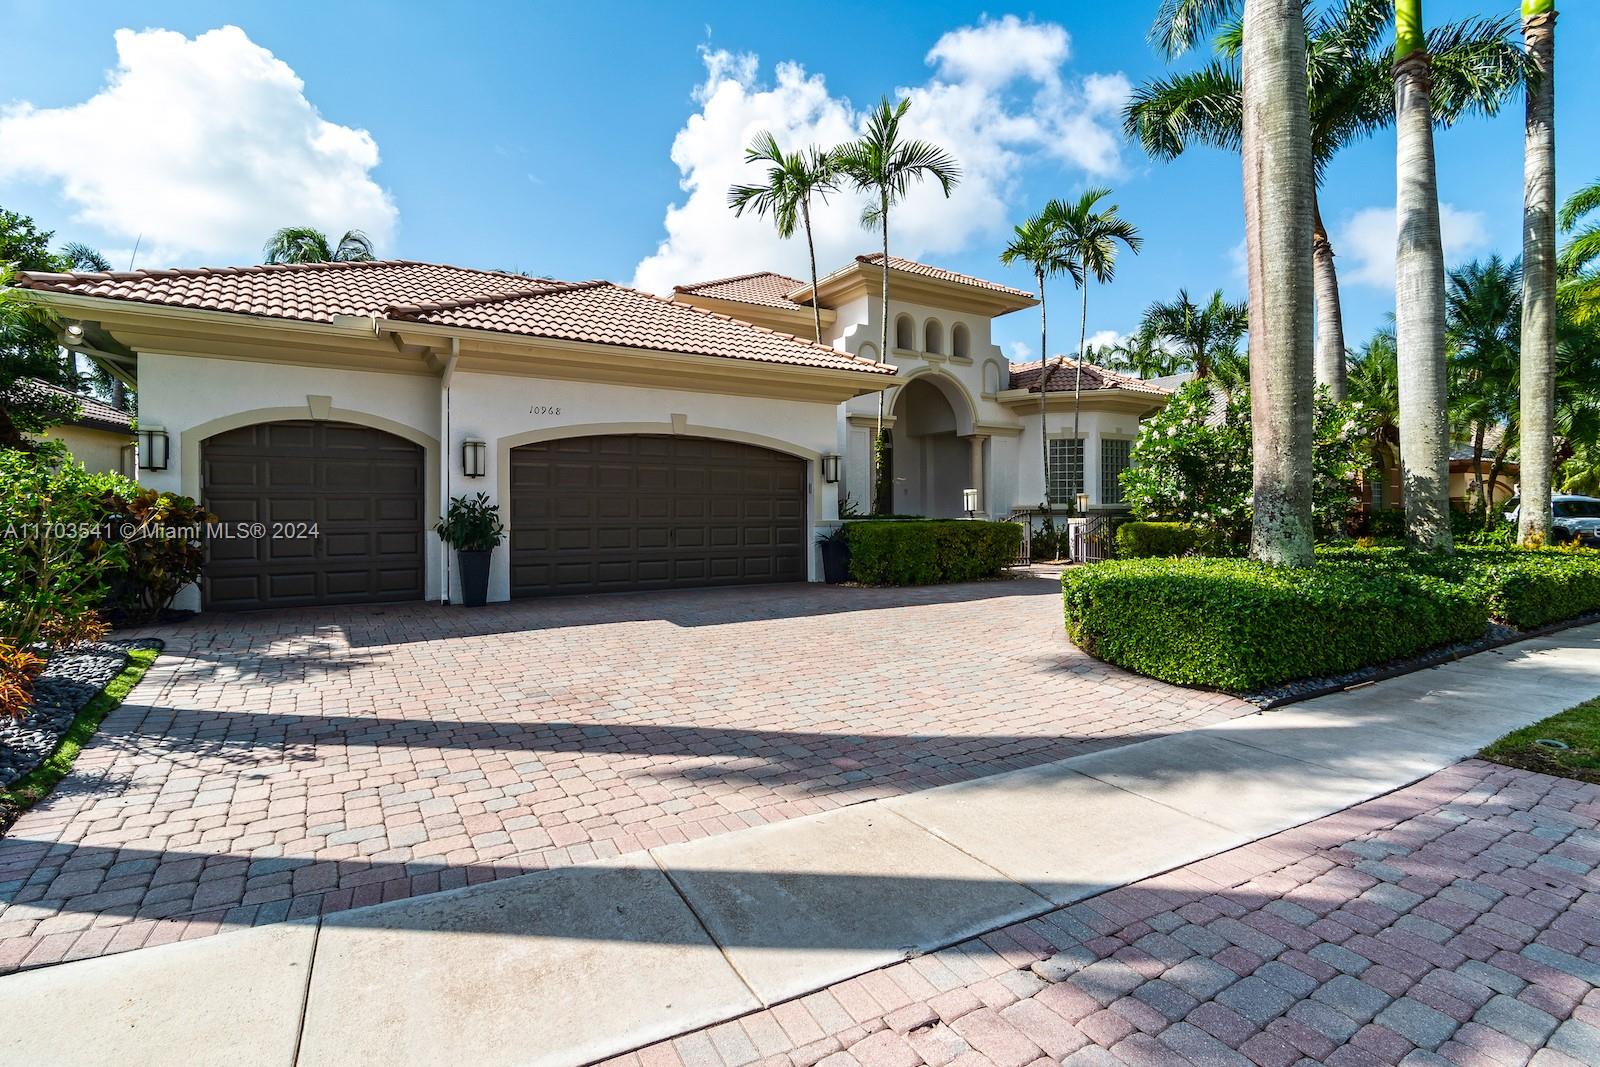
1571	516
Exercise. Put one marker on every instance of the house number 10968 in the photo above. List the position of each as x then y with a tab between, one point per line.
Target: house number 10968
544	409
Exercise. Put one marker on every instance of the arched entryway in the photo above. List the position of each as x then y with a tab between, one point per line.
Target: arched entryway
614	512
934	449
315	512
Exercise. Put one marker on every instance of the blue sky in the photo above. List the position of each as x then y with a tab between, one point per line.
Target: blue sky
556	138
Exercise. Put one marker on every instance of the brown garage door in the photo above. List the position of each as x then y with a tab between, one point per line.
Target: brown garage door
361	488
596	514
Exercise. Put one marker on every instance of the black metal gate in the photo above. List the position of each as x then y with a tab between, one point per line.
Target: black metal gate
1093	539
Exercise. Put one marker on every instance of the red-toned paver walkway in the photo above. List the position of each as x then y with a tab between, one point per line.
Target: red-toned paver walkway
278	765
1456	921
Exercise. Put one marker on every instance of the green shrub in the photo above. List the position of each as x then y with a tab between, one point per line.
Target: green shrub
1527	588
163	541
55	561
927	551
1237	625
1137	540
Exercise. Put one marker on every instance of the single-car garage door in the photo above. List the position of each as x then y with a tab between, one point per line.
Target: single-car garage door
341	512
596	514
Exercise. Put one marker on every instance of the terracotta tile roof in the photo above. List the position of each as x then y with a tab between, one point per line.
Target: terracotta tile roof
926	270
762	287
309	292
96	415
603	313
597	311
1059	377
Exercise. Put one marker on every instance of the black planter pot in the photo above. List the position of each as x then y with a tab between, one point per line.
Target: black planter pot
474	567
835	561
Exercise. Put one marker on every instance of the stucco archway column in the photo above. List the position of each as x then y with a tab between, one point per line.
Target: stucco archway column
975	453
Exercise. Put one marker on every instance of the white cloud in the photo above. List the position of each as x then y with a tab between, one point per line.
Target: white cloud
1105	339
998	94
203	147
1019	352
1365	244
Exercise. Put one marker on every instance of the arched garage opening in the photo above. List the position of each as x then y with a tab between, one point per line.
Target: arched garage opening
612	512
340	512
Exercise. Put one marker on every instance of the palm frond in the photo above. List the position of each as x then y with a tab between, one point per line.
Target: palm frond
1580	204
1201	107
1182	24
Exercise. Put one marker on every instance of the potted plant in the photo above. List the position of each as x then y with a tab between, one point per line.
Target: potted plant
835	555
473	528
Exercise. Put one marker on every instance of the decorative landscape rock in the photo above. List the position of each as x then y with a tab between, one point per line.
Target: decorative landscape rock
70	679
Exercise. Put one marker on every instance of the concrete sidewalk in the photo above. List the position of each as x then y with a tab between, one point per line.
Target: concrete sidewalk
574	965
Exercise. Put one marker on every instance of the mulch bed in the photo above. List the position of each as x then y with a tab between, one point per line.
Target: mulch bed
71	678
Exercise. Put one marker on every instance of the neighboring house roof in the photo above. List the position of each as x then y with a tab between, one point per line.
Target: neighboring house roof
763	287
596	312
1003	297
1060	376
95	416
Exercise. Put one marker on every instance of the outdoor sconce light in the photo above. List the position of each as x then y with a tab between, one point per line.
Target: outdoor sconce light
830	468
152	448
474	458
1083	503
969	501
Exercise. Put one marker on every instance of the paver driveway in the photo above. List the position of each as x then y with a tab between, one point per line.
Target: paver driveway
278	765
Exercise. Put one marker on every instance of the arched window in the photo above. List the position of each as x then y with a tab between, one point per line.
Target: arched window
961	341
933	337
869	351
905	333
991	377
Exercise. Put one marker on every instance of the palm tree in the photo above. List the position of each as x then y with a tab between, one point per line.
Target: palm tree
792	179
1579	292
1373	374
303	244
1197	336
1037	243
77	256
1349	73
1278	207
1090	235
1483	307
1538	271
883	166
1143	356
1419	295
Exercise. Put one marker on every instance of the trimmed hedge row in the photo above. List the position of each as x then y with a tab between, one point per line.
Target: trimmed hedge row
1521	587
1138	540
928	551
1238	625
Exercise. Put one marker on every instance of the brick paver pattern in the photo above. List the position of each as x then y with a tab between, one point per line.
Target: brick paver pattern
1456	921
287	764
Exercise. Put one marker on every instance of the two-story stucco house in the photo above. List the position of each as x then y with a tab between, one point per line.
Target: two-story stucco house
326	411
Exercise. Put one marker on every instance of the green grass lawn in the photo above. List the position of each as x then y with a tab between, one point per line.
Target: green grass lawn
1578	728
37	783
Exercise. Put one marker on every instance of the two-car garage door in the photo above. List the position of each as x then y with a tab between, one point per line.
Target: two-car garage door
340	508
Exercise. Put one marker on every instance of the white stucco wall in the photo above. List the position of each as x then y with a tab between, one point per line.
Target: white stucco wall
194	398
1095	426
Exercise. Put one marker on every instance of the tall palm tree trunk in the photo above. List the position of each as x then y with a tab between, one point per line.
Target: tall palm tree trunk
1538	271
1044	362
1077	390
882	484
811	248
1278	212
1483	493
1419	295
1330	317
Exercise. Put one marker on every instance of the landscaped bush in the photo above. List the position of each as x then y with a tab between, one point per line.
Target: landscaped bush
1527	588
1237	625
163	542
56	563
18	669
927	551
1137	540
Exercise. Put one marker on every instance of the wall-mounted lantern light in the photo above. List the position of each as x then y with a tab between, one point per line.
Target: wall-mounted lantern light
969	502
830	468
474	458
1083	503
152	448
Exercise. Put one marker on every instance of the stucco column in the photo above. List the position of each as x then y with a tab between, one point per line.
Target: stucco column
975	452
